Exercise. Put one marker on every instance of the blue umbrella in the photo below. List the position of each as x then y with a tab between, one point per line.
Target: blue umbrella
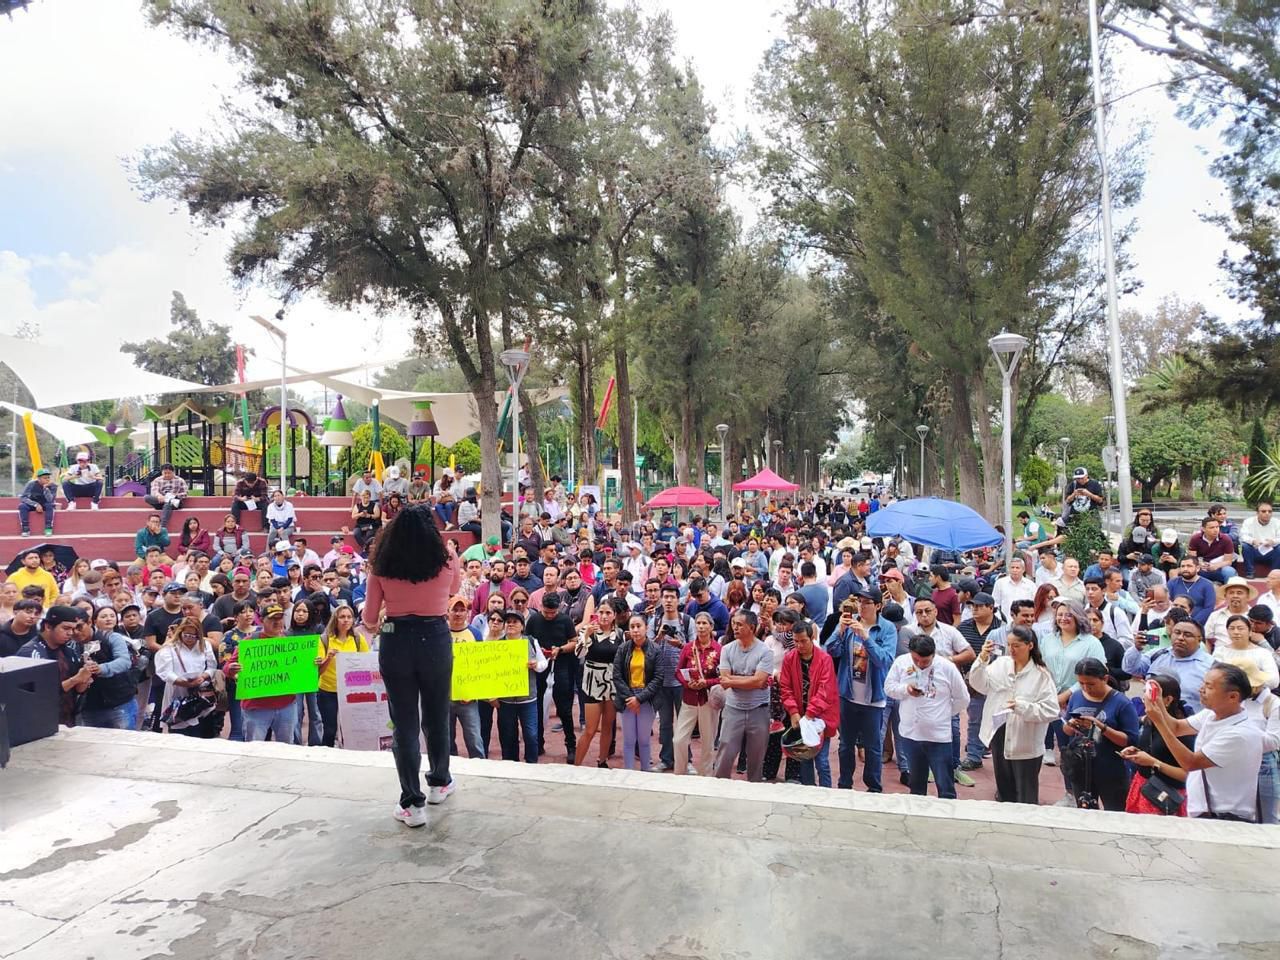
934	523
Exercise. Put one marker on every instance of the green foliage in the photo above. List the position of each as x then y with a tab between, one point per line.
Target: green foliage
1257	453
1084	538
1037	476
466	453
1264	483
194	350
394	446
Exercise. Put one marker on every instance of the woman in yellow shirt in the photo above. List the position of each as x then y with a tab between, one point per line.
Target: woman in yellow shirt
637	677
341	635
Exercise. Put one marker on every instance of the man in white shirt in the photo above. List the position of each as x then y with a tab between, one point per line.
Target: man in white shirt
1013	586
951	645
1069	584
82	480
1222	778
1260	539
1047	568
930	691
1272	597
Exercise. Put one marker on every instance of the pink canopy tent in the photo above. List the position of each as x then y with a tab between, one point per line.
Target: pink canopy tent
766	479
682	497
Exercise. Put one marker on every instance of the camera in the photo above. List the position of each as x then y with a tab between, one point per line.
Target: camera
1087	801
668	630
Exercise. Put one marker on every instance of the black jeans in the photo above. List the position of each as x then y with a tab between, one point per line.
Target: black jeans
667	703
328	703
164	506
238	507
562	696
416	660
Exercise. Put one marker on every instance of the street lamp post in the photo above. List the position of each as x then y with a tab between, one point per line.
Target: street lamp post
516	363
1109	464
280	335
1064	442
777	456
723	430
922	430
1007	348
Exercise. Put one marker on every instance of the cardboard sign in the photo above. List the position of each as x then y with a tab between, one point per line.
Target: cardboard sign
363	719
492	669
276	666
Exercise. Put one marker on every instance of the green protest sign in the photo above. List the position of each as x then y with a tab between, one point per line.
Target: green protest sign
275	666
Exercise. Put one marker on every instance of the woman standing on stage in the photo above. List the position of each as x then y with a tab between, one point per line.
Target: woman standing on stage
413	573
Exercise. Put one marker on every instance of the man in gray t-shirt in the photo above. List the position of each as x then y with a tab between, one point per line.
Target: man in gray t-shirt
745	667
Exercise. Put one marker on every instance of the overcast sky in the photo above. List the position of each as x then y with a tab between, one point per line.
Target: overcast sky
88	85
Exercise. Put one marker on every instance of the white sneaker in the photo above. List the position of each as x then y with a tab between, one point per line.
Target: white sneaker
1050	760
93	505
439	794
413	817
71	504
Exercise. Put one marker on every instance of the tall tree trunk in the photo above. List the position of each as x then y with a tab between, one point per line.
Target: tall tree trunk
728	475
966	458
992	453
700	454
532	445
627	473
1186	482
585	391
684	441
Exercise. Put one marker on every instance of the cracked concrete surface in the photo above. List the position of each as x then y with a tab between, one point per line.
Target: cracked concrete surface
137	846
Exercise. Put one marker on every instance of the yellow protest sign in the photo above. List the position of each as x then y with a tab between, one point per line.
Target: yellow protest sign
492	669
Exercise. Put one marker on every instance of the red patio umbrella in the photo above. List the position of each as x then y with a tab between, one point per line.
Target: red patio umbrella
682	497
766	479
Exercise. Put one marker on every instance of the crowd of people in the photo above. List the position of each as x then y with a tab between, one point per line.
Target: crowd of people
750	644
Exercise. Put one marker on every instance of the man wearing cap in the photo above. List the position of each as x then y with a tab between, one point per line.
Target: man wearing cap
1144	577
54	643
32	574
1238	594
894	585
523	576
465	712
1082	495
862	648
1260	539
82	480
263	715
1213	550
976	630
38	497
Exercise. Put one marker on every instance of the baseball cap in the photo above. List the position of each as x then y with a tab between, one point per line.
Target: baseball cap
1169	537
512	615
174	588
893	573
1145	560
456	600
61	613
893	613
870	592
43	472
275	610
99	565
1079	473
336	538
866	543
130	606
983	599
971	587
492	541
737	563
82	455
283	545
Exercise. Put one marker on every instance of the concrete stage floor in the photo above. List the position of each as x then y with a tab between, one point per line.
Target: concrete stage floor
115	846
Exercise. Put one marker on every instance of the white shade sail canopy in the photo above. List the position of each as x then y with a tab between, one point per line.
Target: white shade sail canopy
69	432
50	373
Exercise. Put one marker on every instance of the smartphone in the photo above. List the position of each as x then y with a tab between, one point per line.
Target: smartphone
1153	690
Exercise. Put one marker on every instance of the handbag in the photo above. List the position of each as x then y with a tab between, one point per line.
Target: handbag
1165	795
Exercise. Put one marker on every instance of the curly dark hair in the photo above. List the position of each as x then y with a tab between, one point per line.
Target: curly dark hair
409	546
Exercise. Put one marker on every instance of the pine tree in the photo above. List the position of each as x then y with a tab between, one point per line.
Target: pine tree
1257	460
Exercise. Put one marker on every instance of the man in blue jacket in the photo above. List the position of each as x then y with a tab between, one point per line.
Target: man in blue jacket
863	648
1189	583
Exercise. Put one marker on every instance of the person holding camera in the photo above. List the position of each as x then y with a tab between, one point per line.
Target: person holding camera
186	663
1101	721
1222	778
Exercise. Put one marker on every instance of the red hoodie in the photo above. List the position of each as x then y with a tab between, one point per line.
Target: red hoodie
824	695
